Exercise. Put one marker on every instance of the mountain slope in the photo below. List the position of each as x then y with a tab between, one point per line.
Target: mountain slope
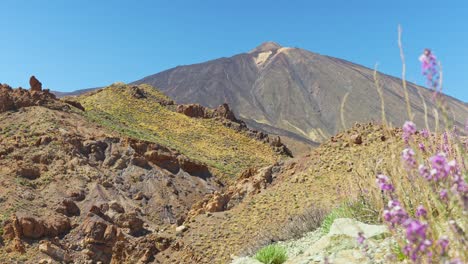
106	182
145	113
294	92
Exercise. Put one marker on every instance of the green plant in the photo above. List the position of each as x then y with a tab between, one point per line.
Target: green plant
358	210
398	252
342	211
271	254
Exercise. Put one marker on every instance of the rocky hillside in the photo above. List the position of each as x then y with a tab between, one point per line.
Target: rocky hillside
213	137
281	201
109	179
296	93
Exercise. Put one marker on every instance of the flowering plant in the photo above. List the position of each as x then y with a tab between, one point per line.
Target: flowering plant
427	232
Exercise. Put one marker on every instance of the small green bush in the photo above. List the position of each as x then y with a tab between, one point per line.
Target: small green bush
272	254
339	212
357	210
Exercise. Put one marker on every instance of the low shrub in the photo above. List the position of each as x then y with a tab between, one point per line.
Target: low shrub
272	254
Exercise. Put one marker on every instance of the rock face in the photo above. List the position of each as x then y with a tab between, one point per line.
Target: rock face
294	92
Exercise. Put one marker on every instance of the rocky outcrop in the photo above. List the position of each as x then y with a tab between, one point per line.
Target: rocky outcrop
36	85
14	99
250	182
111	235
198	111
32	227
193	110
168	159
224	114
74	104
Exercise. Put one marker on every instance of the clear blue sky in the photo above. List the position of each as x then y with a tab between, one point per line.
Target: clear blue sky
83	44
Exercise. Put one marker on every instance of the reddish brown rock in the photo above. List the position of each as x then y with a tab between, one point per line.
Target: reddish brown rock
217	203
28	172
68	208
6	102
130	221
74	104
225	112
356	139
77	195
137	92
35	84
54	252
192	110
35	228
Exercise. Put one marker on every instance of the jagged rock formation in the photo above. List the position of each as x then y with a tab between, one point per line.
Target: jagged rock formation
224	114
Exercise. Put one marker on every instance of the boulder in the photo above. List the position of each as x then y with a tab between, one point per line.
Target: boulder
225	112
55	252
181	229
350	227
77	195
136	92
356	139
217	203
340	245
192	110
28	172
68	207
34	228
74	104
130	221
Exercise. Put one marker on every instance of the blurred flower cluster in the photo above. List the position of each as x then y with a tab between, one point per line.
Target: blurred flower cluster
443	176
430	68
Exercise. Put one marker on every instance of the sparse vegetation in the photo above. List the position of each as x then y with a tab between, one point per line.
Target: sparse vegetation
358	210
271	254
206	140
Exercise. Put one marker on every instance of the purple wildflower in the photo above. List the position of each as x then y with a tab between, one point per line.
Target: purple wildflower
443	194
425	172
420	211
408	157
439	165
384	183
409	128
361	238
417	241
416	231
430	69
395	214
422	147
424	133
443	242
